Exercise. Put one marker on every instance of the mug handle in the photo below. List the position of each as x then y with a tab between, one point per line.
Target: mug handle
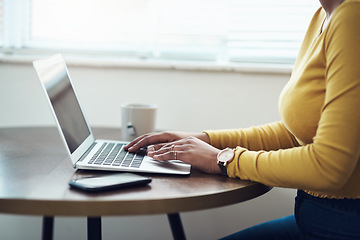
130	128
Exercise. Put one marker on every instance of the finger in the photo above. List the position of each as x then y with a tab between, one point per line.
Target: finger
148	139
169	155
159	149
155	147
173	144
164	147
171	152
134	142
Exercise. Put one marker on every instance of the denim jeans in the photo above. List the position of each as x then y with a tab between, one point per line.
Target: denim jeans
315	219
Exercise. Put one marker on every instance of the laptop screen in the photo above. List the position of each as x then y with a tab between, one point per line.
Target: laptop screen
65	104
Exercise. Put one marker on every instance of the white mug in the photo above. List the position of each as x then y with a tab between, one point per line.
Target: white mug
136	120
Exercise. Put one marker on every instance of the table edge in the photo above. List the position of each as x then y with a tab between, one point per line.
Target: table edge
130	207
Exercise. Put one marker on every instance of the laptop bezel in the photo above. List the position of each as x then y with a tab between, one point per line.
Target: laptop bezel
89	140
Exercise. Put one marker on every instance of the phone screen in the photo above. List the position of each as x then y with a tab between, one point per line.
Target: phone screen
108	182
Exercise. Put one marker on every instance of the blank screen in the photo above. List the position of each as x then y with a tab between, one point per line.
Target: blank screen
65	104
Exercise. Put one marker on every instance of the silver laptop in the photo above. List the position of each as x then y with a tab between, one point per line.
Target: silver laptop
84	151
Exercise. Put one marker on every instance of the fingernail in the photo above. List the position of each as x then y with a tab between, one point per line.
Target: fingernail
150	149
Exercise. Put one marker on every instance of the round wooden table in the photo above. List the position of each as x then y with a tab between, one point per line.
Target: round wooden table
35	170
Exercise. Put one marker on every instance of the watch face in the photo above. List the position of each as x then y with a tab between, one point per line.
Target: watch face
226	155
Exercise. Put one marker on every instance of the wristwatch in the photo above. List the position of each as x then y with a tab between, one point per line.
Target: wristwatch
224	157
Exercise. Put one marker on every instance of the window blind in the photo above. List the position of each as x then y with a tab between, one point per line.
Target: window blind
267	30
207	30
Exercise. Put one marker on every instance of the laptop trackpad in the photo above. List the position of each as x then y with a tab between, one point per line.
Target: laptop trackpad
174	165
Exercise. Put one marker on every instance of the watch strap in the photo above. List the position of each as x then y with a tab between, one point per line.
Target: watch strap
223	168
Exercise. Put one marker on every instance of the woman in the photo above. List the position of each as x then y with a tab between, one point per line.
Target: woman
314	148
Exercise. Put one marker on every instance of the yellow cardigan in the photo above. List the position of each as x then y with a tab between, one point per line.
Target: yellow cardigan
316	145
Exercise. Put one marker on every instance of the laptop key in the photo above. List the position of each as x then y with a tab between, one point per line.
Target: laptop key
111	157
93	158
128	159
104	154
136	163
119	158
87	152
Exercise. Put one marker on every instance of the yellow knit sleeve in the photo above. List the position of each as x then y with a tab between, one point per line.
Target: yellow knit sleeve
271	136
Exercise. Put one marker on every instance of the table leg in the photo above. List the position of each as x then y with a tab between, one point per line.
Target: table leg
94	228
176	226
47	228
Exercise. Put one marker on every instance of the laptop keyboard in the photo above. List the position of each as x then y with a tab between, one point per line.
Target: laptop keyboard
113	154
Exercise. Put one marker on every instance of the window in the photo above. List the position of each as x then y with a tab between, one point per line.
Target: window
207	30
1	22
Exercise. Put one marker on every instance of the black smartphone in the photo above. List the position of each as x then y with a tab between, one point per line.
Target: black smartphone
109	182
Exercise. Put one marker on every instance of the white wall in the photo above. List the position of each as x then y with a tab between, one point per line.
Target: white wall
187	100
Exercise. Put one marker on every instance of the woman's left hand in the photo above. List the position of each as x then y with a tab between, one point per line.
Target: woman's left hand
190	150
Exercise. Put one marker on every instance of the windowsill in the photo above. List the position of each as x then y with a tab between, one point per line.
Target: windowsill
82	60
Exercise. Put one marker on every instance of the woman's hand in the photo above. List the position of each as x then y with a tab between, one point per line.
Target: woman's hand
191	150
162	138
